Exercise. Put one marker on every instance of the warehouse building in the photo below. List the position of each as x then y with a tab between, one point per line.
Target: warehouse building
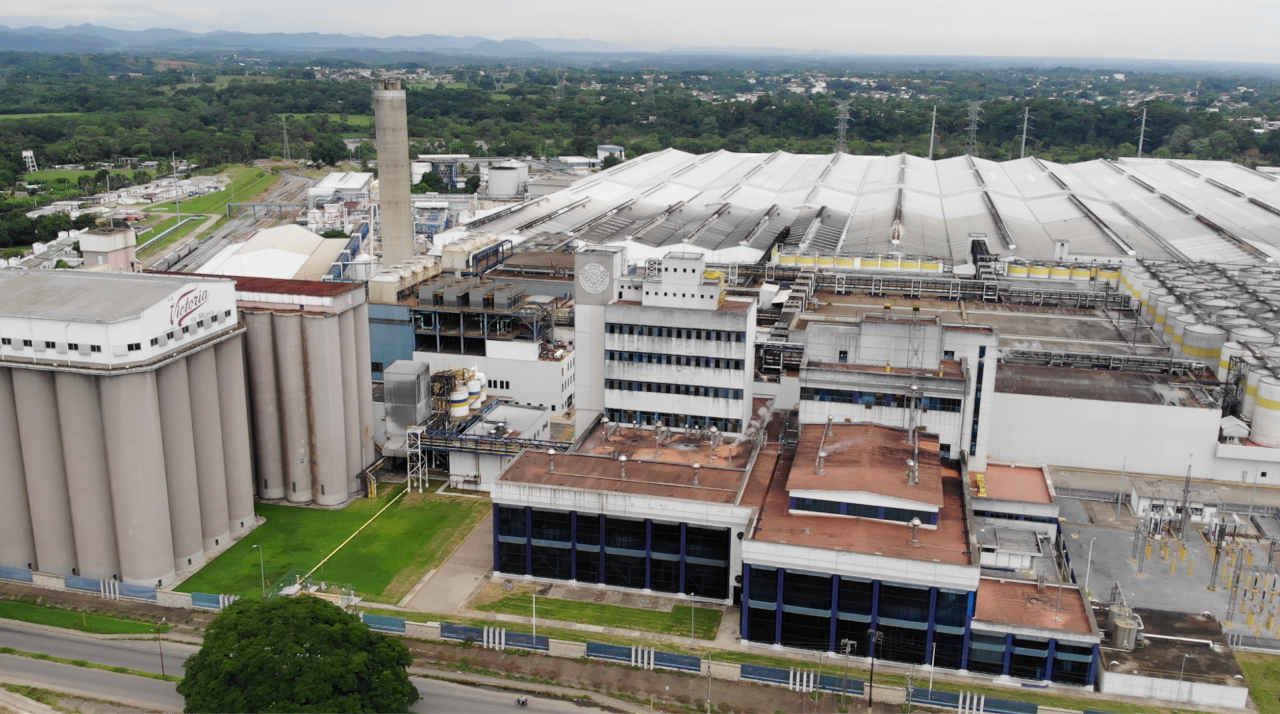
905	214
124	439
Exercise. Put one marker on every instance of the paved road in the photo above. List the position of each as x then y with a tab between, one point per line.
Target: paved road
142	655
451	585
437	696
122	688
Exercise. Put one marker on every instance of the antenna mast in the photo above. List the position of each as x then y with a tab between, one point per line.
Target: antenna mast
1142	132
933	129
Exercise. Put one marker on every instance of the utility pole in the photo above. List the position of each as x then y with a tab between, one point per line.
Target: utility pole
933	130
1142	132
875	637
1026	113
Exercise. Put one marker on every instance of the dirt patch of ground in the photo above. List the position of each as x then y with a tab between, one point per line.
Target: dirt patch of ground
668	691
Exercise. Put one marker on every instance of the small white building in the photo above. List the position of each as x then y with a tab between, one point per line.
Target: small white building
341	186
478	468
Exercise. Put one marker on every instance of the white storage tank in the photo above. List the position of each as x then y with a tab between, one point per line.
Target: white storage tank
1266	415
1163	304
484	386
1229	350
473	394
1178	323
1203	343
1255	374
459	403
1171	316
1252	336
1153	299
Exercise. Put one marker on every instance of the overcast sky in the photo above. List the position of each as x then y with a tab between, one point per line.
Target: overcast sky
1244	30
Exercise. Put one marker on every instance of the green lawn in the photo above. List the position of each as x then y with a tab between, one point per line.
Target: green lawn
182	232
706	621
382	563
246	183
1262	672
70	619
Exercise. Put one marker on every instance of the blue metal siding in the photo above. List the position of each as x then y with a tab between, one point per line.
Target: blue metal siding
390	335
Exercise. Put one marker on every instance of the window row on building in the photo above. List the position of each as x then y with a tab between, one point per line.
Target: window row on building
592	548
1033	658
681	421
1015	516
87	348
676	360
680	333
862	510
688	390
878	399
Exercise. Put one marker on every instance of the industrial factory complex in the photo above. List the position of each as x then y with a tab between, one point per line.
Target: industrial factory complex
882	406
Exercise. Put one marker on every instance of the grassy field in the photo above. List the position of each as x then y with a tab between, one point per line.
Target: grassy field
382	563
706	621
52	176
246	183
1263	674
85	622
182	232
357	120
39	115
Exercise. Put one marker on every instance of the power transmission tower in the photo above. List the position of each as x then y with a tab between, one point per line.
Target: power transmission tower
1026	114
975	116
1142	132
842	126
284	128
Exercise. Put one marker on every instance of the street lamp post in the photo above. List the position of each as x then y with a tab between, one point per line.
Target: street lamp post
875	637
1181	671
262	571
160	644
849	646
692	639
1088	567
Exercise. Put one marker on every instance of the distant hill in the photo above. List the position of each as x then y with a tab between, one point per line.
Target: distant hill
97	38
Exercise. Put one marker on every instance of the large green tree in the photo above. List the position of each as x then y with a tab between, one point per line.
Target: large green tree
296	655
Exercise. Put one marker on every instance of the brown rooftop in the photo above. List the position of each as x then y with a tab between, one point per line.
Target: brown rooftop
642	478
282	286
948	543
866	457
1100	384
679	447
1021	604
1016	483
728	305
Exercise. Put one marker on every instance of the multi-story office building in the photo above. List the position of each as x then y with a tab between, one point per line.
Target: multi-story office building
667	346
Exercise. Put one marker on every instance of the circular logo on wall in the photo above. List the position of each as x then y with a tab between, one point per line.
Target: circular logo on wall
594	278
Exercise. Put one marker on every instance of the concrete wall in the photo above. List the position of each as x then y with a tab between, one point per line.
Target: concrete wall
1172	690
539	383
1142	438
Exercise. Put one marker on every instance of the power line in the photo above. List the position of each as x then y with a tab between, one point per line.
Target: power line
975	116
842	126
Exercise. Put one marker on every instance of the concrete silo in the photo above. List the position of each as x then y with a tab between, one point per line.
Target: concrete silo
310	389
84	452
211	465
233	405
51	519
17	548
180	464
260	353
391	135
113	454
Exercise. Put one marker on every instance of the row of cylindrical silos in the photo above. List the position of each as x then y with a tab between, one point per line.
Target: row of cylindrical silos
132	476
1227	317
311	401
